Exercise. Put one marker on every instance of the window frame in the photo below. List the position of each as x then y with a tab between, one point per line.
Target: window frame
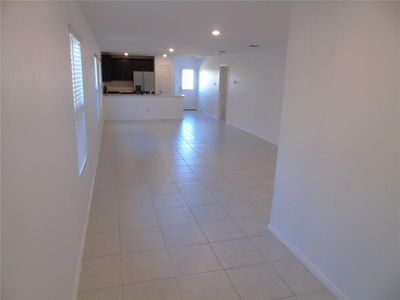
98	85
192	84
78	97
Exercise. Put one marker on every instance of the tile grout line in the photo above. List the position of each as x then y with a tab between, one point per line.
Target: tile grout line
199	179
120	247
212	249
170	260
209	244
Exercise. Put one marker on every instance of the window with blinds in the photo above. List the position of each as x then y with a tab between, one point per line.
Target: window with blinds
97	84
100	78
79	100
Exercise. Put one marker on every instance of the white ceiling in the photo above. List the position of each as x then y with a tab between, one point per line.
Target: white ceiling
150	28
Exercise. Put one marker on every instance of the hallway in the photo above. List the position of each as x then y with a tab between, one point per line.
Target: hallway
180	211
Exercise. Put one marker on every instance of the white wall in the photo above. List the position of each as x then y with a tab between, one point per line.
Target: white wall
45	202
398	138
336	201
208	85
254	101
0	143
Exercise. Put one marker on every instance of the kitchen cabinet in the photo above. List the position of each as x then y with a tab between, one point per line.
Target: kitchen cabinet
106	67
121	69
142	64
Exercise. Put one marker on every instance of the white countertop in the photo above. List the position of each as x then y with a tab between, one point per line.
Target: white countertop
144	95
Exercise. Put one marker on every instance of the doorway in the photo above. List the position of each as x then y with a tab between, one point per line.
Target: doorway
164	80
223	90
187	87
186	80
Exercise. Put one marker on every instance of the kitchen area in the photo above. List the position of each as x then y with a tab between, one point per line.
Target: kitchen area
139	88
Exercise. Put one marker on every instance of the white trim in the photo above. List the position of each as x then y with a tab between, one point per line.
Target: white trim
208	113
74	33
251	132
310	266
82	168
85	227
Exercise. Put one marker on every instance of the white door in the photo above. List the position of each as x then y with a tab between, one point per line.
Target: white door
164	79
223	89
187	86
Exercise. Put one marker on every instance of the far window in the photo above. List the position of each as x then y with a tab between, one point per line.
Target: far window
97	83
96	74
79	100
187	79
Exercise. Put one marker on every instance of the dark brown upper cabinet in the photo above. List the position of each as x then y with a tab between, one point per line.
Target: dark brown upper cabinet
106	67
116	68
146	65
121	69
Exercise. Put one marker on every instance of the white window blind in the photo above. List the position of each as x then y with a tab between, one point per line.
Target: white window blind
96	74
79	100
97	85
100	77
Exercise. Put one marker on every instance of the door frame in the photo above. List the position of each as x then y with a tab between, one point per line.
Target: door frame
194	65
158	79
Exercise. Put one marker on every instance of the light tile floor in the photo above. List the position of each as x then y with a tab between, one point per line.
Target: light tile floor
180	211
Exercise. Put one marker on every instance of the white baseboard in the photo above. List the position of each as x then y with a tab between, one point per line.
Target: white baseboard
311	267
251	132
238	127
208	114
85	228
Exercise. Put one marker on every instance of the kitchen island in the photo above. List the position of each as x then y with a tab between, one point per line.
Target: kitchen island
125	107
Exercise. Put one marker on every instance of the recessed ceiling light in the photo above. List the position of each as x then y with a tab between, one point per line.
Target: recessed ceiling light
254	46
164	55
126	53
171	50
215	32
